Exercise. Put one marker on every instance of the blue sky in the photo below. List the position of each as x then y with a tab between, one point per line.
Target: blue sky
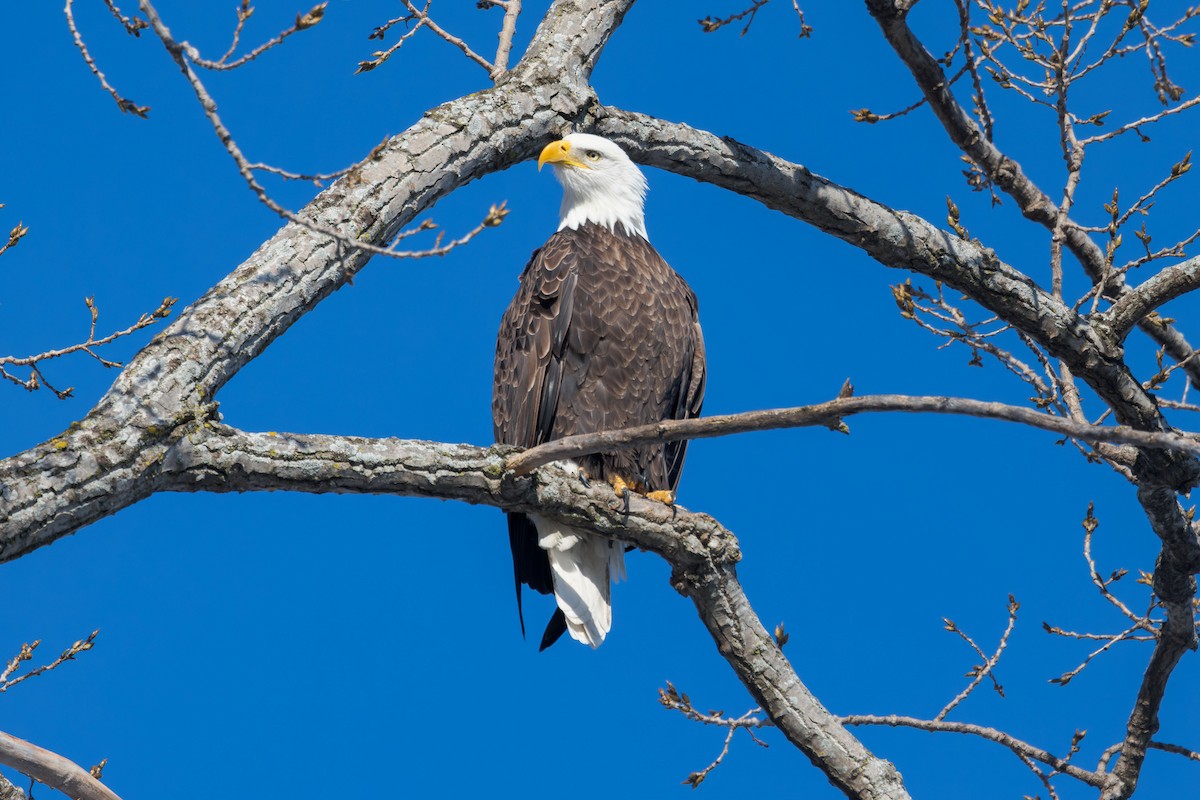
288	645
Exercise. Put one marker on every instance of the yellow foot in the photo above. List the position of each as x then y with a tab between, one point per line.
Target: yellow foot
620	486
662	496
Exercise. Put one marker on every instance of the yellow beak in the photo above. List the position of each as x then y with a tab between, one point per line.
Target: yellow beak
558	153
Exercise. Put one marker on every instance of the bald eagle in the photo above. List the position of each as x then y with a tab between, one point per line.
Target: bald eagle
602	334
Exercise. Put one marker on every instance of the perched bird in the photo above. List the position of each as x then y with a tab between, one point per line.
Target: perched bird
601	335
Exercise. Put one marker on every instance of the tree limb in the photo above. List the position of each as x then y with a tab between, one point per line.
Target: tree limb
829	414
1135	305
52	769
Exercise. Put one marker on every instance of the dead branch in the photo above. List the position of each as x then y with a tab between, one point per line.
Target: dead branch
52	769
829	414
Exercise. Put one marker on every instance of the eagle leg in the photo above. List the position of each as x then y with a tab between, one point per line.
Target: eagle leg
623	490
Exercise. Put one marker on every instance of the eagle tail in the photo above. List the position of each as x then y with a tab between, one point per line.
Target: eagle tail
582	566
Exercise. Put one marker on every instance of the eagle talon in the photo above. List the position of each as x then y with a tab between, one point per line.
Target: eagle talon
662	496
623	490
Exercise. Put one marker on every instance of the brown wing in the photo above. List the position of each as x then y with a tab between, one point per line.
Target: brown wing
602	334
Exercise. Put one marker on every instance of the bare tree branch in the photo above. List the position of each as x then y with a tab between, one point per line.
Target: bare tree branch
26	653
52	769
1019	747
1135	305
829	414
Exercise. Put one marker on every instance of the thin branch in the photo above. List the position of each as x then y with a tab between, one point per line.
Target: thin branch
128	106
1126	635
380	56
26	654
1190	755
1022	749
1136	125
673	699
179	52
1090	524
303	22
422	15
317	179
984	670
508	30
133	25
36	379
14	236
829	414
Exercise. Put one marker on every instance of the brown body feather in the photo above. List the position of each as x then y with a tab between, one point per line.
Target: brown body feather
602	334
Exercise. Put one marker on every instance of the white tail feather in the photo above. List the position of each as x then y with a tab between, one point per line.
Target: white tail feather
581	565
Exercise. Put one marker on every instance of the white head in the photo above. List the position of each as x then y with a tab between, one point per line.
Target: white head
600	184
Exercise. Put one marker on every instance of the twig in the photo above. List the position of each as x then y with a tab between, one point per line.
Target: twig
1090	523
179	52
36	379
1111	639
984	670
133	25
292	176
303	22
14	236
380	56
26	654
710	24
128	106
422	15
673	699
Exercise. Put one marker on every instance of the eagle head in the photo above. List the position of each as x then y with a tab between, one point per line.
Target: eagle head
600	184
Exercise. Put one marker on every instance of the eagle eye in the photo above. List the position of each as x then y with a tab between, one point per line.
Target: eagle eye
592	155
